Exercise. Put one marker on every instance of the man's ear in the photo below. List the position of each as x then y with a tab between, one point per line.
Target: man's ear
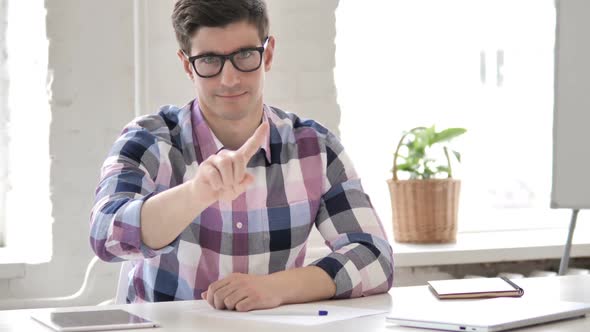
269	53
186	66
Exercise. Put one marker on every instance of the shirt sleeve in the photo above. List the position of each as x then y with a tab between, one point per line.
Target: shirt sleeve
127	180
361	262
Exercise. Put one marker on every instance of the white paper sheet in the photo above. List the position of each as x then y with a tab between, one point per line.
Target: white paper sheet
295	314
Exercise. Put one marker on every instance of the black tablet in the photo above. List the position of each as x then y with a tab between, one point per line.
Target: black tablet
94	320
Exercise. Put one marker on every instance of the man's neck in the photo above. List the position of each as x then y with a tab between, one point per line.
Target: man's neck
234	133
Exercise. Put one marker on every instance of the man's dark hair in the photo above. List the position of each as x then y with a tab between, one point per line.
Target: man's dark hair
190	15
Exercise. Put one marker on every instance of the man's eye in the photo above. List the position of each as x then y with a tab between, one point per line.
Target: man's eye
208	60
244	54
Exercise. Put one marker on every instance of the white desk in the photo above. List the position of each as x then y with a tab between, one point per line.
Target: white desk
173	316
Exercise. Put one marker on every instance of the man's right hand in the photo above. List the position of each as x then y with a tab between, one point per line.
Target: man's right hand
223	176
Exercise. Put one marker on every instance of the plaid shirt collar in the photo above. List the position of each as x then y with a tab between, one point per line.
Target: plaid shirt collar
206	141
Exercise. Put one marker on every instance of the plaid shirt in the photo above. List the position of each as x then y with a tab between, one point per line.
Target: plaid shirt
302	178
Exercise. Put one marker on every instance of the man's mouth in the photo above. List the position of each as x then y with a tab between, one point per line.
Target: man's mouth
230	96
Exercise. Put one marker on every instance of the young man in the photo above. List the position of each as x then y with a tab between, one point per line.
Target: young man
216	200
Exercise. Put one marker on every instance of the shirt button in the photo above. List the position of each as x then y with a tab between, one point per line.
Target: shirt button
239	225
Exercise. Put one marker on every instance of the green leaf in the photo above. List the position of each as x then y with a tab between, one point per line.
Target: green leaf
417	160
448	134
429	136
419	145
406	167
415	156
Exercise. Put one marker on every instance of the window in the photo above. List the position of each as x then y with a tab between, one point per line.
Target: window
24	135
484	65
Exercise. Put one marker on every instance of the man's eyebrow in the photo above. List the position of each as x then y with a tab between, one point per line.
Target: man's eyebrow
236	50
207	53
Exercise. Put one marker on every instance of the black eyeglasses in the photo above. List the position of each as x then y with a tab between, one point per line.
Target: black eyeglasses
245	60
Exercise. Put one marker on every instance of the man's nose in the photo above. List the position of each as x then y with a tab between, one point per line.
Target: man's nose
230	76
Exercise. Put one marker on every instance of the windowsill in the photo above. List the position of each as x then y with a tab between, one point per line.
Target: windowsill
487	247
11	266
13	262
497	246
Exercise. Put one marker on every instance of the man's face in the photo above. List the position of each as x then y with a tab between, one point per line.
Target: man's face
232	94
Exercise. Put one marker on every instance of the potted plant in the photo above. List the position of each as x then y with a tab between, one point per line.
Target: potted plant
425	206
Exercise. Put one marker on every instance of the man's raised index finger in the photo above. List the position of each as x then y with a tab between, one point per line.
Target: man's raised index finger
253	143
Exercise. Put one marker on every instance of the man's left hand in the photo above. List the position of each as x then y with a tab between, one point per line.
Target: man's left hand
243	292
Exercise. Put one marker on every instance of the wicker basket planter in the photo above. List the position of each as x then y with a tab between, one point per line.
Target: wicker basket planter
425	208
425	211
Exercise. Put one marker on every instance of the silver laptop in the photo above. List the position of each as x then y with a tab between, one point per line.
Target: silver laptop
496	314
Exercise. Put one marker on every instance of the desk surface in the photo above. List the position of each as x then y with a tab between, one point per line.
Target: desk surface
174	316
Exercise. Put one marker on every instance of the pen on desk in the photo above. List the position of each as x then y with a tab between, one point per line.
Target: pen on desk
292	313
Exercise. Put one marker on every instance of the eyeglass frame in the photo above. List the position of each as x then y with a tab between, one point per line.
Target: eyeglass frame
230	57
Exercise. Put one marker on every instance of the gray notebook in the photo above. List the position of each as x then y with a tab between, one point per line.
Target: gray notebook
475	288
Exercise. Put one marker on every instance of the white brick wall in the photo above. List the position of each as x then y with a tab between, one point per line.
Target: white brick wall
302	78
3	117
